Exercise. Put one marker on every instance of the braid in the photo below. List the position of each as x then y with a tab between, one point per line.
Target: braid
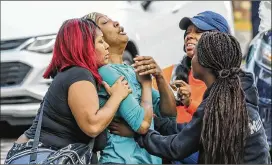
225	122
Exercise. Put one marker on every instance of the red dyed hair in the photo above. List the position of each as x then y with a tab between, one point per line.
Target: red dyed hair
74	46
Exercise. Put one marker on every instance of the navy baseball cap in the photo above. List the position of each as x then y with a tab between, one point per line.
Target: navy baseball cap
206	21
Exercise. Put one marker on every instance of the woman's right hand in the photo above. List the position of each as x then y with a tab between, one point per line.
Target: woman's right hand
119	88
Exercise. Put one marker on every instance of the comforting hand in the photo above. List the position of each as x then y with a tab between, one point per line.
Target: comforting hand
120	88
146	65
119	127
184	91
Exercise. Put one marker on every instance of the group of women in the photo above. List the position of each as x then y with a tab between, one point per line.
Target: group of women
95	95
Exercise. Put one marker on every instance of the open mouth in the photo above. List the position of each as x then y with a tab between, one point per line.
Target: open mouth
107	56
122	31
190	46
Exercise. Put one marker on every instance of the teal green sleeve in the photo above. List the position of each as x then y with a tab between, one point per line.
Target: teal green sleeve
156	104
129	109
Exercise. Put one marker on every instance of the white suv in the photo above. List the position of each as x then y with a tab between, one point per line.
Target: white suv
28	33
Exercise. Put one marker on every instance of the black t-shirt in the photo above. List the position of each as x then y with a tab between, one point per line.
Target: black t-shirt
59	128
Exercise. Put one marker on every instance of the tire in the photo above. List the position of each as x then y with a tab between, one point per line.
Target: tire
128	58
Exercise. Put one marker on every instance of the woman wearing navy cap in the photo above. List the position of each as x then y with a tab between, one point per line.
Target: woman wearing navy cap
192	90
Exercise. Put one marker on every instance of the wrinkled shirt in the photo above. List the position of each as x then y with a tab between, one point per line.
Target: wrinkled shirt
119	149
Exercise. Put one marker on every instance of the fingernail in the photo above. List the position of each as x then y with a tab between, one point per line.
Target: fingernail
133	65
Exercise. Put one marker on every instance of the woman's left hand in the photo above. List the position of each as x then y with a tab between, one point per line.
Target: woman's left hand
119	127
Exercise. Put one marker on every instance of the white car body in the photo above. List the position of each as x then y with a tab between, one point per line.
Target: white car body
152	32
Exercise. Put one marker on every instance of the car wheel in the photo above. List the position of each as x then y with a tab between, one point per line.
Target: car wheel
128	58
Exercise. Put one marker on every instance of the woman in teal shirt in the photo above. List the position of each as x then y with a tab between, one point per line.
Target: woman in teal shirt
136	110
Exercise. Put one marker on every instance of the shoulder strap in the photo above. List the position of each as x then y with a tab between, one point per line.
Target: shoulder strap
33	155
91	144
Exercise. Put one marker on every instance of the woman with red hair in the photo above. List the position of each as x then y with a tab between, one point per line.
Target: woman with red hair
71	112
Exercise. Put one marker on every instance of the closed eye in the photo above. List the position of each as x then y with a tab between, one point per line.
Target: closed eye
187	32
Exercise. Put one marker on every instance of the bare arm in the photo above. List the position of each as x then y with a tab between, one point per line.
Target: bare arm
146	103
120	127
147	65
84	104
167	98
164	126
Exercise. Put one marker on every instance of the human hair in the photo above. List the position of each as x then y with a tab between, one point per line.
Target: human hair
225	122
74	46
184	67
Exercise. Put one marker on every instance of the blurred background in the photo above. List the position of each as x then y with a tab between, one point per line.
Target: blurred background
28	31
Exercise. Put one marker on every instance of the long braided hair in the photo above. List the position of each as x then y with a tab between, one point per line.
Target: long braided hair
225	122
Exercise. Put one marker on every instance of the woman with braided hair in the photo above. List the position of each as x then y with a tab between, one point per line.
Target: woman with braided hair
226	128
222	136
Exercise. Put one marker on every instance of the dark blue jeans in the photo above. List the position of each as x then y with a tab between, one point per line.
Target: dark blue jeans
192	159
